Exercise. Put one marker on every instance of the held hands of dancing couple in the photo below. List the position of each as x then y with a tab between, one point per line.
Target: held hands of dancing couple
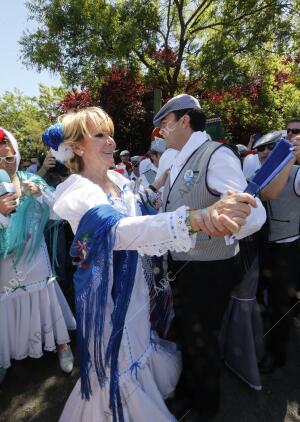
226	216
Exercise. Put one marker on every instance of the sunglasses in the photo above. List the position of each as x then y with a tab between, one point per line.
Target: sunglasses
293	130
8	160
270	147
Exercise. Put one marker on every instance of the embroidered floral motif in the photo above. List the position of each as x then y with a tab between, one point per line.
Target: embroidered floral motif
83	245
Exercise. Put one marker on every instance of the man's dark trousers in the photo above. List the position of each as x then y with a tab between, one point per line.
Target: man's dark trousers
201	295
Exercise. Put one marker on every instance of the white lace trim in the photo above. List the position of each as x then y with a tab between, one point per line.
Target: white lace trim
180	240
18	288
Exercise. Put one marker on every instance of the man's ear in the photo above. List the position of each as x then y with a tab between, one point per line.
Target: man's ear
186	121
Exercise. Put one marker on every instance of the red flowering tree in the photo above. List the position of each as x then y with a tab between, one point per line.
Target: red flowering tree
122	95
75	100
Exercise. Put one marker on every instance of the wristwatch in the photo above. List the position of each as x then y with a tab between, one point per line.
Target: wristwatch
188	221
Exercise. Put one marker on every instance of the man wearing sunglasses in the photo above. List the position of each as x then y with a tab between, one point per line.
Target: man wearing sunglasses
293	129
280	250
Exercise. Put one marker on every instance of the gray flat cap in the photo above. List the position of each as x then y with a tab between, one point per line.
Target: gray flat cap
179	102
269	138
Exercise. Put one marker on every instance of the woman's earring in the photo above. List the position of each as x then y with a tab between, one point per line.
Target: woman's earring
81	152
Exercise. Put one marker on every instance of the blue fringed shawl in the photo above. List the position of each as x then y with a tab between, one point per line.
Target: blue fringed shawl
93	246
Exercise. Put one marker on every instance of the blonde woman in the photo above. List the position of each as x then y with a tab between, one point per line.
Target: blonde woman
126	369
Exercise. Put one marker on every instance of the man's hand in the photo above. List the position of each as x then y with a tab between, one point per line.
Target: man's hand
296	147
226	216
48	163
8	203
31	189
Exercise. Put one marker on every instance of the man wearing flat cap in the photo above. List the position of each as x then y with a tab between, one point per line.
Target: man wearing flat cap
202	173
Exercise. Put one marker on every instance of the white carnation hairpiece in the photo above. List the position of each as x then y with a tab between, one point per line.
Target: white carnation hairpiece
63	153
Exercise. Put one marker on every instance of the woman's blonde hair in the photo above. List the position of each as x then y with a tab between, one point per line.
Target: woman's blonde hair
76	127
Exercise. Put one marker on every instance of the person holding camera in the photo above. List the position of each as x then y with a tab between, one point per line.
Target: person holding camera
34	315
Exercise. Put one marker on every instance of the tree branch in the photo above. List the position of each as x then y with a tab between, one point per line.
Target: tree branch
199	11
143	60
232	21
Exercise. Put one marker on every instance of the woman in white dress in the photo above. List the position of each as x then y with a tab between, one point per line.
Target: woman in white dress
34	314
126	369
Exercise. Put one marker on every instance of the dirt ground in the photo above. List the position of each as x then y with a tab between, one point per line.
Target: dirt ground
36	390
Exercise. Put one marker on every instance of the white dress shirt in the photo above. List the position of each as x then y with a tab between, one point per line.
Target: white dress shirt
224	173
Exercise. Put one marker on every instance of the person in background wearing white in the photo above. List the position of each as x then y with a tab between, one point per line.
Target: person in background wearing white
157	147
34	314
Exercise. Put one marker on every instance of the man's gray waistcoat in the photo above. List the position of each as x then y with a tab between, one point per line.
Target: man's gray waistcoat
190	188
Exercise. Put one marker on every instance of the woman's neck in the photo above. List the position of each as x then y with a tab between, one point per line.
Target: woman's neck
99	177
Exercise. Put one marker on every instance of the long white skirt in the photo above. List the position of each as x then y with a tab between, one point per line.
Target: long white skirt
149	369
142	392
34	314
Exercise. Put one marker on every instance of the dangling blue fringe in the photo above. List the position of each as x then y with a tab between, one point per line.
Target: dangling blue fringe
126	261
91	281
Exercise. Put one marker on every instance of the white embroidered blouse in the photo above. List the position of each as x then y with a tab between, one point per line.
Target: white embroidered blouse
149	235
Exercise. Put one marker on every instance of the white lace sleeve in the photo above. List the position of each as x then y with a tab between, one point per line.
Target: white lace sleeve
154	234
4	221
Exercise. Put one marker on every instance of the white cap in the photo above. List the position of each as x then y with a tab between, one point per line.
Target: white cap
125	152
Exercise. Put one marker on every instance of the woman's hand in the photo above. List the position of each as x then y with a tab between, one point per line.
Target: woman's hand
8	203
31	189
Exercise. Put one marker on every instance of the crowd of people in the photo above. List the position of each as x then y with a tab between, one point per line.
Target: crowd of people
161	263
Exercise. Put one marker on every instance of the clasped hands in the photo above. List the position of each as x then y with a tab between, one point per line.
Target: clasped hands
225	217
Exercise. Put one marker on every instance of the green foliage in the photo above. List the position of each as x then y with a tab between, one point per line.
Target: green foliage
230	53
27	117
169	40
266	98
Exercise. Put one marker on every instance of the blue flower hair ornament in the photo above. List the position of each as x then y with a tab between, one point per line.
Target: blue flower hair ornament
53	136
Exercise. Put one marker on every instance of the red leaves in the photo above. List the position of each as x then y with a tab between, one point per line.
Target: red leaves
166	56
282	78
75	100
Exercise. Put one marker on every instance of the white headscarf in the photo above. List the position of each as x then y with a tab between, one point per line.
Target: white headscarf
15	146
